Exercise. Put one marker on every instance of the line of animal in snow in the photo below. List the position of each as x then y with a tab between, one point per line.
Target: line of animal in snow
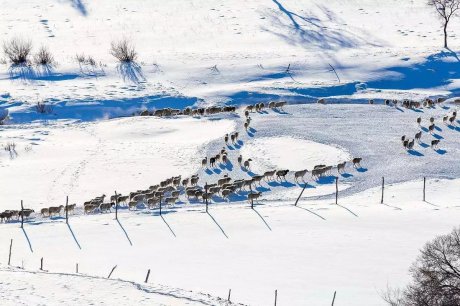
448	120
406	103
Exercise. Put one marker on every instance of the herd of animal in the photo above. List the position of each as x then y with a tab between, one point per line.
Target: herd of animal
408	143
169	191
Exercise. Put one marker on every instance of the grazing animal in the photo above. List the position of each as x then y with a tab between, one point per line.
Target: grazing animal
341	167
300	174
89	208
45	212
410	145
224	159
418	136
25	213
226	138
233	138
204	162
435	143
55	210
432	119
452	119
419	120
403	138
246	164
357	162
194	180
254	196
246	125
105	207
212	162
280	174
405	143
70	208
257	179
132	204
269	175
226	193
431	128
240	159
444	119
185	182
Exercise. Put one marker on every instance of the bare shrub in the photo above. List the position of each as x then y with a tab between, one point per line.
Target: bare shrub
123	50
43	108
435	275
85	60
44	57
4	116
28	148
17	50
10	147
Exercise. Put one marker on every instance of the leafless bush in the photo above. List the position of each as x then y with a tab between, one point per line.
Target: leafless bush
435	275
3	61
10	147
17	50
4	115
44	57
43	108
86	60
28	148
123	50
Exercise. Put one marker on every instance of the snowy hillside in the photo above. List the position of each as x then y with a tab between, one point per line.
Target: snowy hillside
94	129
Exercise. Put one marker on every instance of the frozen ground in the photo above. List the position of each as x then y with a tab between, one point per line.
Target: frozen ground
19	287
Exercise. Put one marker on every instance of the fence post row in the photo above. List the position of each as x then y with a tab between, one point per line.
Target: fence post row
22	215
67	210
424	188
336	189
116	206
9	256
383	188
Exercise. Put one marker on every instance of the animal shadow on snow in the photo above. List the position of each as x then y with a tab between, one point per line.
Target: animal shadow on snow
305	185
437	136
424	129
440	151
280	112
414	153
285	184
346	175
424	145
437	128
361	169
326	180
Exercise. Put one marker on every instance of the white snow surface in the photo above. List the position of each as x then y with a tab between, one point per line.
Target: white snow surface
207	52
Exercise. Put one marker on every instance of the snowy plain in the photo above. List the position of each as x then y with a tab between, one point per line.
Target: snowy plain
200	53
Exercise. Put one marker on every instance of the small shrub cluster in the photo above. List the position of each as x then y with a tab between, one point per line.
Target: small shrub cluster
10	147
44	57
43	108
85	59
124	51
18	51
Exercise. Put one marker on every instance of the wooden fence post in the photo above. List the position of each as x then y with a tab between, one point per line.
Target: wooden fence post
9	256
147	277
116	206
336	189
22	215
229	294
252	200
160	204
76	267
206	195
424	188
276	296
110	274
303	189
67	210
383	188
41	264
333	299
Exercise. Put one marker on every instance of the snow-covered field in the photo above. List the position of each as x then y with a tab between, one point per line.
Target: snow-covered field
201	53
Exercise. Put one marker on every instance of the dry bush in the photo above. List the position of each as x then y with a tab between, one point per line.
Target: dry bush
435	275
44	57
43	108
10	147
17	50
123	50
85	60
